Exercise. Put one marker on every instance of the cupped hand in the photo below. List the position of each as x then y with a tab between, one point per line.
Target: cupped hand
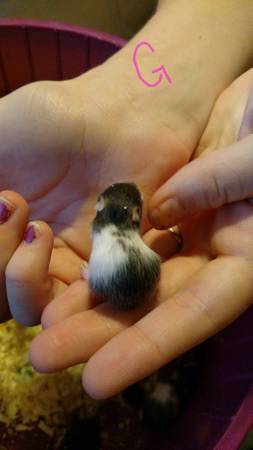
61	144
202	290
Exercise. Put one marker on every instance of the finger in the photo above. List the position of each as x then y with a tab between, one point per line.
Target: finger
65	262
76	298
13	219
76	338
161	242
28	284
208	182
185	320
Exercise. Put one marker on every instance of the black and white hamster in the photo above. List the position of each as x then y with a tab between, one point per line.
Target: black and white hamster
122	269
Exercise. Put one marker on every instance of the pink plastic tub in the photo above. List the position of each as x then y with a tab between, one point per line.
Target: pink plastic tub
221	411
36	50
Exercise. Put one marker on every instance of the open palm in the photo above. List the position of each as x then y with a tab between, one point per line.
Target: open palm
59	151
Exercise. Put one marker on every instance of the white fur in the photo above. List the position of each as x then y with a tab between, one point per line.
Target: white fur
106	254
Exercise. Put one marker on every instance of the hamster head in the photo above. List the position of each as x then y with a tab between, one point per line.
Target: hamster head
120	205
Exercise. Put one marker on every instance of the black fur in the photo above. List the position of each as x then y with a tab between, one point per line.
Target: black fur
132	283
135	280
120	199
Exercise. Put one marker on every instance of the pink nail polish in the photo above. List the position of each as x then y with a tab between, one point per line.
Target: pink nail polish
30	234
4	212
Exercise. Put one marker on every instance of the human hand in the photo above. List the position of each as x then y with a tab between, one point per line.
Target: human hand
216	178
59	155
17	254
202	290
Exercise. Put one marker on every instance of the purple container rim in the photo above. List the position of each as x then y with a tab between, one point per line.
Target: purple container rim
241	423
62	26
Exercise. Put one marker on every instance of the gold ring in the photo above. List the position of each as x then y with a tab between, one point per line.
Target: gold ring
177	236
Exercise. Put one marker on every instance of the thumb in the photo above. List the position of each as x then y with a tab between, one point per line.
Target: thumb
208	182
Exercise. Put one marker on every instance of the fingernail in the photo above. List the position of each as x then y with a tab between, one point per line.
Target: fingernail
31	233
167	213
6	209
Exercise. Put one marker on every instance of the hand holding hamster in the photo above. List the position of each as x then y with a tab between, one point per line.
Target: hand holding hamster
201	290
122	269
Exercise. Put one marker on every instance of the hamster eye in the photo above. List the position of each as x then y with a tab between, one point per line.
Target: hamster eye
100	204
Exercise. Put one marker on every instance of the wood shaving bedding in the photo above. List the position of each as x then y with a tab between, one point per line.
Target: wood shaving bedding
28	398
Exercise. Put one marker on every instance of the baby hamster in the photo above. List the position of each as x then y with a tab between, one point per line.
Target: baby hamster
122	269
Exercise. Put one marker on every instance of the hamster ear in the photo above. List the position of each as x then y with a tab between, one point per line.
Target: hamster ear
100	204
136	214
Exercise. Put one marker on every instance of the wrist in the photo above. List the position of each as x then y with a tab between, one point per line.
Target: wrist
201	51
